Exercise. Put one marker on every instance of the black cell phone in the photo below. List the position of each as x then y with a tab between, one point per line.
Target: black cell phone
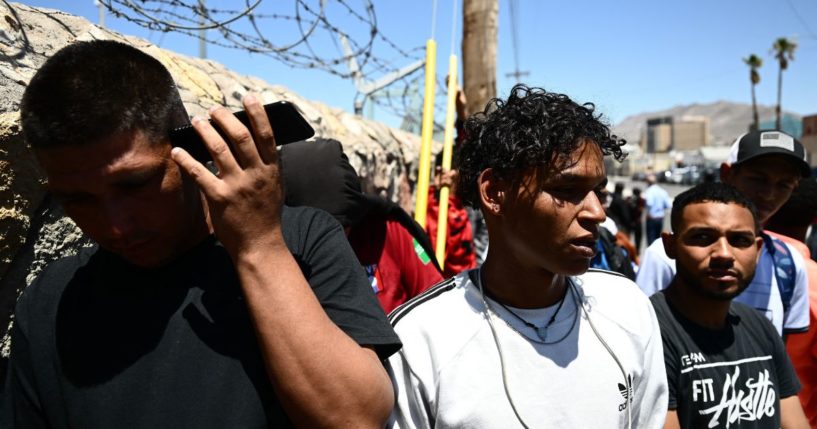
288	126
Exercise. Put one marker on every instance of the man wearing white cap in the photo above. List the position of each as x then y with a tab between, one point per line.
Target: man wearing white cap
765	166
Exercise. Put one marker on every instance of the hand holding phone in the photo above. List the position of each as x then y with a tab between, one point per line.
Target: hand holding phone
288	126
245	197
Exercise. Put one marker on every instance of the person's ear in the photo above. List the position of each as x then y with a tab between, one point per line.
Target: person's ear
668	240
759	244
492	192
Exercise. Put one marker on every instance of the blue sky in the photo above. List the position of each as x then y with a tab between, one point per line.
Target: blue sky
627	57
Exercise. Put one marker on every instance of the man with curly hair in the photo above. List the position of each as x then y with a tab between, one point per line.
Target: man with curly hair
532	338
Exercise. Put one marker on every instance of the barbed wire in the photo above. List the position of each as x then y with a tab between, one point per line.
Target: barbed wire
314	27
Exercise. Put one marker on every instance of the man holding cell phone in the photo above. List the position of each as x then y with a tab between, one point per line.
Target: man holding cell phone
194	310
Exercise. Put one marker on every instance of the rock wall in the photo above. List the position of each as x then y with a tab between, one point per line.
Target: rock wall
33	230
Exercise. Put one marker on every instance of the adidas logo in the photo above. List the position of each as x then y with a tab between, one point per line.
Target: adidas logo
626	393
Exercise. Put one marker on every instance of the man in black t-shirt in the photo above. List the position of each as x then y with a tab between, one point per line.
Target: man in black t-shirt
726	364
206	303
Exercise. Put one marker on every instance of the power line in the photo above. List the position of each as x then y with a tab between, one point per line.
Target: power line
800	18
256	27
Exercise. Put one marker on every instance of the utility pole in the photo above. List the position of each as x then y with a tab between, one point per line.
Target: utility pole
479	42
101	7
517	75
366	89
202	31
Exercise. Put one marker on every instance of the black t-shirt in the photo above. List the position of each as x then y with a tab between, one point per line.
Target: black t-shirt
98	343
734	377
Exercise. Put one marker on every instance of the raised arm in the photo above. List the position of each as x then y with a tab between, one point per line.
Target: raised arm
322	377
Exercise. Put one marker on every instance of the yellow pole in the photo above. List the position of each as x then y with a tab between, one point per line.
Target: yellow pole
448	145
428	129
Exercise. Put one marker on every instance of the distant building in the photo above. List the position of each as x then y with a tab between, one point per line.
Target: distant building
659	135
690	133
664	134
809	138
789	124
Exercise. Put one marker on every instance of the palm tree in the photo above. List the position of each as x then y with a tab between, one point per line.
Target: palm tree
754	62
783	50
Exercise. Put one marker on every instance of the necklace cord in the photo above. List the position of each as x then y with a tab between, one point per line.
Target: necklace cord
541	340
499	350
531	325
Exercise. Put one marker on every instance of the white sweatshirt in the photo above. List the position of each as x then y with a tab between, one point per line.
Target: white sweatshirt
448	374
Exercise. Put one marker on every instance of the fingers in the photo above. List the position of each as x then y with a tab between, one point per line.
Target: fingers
206	180
240	136
251	146
261	129
218	148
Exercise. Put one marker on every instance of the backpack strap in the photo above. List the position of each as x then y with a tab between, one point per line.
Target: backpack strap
600	258
784	270
609	256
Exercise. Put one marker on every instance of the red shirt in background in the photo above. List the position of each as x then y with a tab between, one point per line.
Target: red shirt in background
802	348
397	266
459	246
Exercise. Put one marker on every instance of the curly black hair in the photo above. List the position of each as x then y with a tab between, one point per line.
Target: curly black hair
532	128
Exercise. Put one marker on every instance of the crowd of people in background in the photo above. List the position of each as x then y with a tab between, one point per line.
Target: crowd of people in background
267	290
